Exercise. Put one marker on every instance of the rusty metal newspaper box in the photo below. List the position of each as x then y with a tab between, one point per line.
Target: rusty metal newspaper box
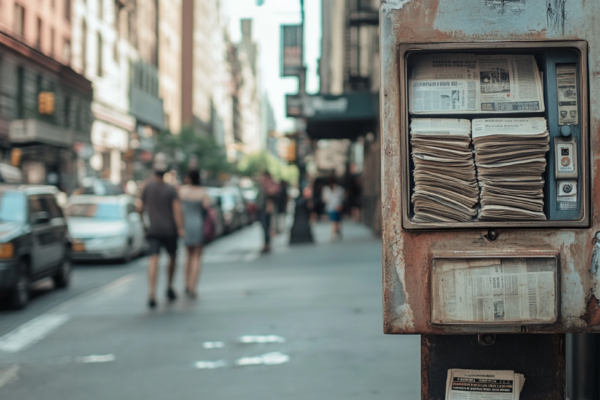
490	129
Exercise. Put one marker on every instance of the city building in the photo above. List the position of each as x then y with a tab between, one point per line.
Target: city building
200	18
247	136
347	104
146	105
115	45
169	61
45	106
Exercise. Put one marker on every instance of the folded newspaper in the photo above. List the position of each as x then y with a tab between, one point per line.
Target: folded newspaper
444	175
493	291
468	83
510	159
470	384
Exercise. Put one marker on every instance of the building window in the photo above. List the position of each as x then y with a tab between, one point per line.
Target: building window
67	112
38	34
84	46
99	56
19	20
20	92
52	42
67	52
68	10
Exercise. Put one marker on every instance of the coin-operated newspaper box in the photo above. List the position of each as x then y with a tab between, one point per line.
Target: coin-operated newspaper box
490	128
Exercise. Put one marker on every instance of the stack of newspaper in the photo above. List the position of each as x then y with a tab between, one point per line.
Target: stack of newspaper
468	384
444	175
510	160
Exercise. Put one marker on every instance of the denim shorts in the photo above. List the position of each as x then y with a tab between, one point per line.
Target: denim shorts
335	216
168	243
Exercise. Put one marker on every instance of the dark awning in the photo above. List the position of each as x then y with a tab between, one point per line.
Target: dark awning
346	116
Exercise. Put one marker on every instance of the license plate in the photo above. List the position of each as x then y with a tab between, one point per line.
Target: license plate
78	247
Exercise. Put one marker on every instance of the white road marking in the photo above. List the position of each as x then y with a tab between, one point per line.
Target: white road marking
8	375
274	358
213	345
261	339
210	364
31	332
96	359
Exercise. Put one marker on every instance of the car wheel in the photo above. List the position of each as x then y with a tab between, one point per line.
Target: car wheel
63	276
19	296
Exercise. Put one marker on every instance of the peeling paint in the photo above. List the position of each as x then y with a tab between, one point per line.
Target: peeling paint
389	5
592	314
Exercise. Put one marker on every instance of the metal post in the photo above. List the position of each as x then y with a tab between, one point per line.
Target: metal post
583	367
301	231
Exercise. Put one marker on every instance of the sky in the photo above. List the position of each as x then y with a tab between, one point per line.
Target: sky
266	31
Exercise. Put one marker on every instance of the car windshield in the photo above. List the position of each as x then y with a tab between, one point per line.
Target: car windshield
228	201
103	211
12	207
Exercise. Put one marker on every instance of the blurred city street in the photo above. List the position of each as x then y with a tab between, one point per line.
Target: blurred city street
318	305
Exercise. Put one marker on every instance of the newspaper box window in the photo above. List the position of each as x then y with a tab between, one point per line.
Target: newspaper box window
494	136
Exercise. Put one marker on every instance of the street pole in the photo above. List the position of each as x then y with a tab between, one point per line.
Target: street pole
301	231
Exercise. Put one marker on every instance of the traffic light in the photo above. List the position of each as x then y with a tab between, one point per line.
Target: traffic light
46	103
15	157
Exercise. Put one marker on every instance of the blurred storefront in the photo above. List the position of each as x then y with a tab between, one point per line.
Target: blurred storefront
44	112
110	136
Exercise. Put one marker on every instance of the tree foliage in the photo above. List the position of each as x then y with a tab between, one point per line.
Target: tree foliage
188	145
254	164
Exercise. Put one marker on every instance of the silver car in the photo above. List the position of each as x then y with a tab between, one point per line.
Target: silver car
105	227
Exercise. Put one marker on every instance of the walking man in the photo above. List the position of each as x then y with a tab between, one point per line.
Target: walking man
161	202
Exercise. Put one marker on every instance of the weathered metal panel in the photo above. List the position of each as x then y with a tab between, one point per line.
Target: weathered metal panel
407	254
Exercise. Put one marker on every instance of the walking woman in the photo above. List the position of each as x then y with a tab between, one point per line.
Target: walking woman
195	203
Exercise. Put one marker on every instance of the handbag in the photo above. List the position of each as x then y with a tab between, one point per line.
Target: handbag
209	225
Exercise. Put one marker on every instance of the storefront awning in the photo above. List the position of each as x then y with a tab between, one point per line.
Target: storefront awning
346	116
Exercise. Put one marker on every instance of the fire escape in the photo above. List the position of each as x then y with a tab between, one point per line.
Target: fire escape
360	16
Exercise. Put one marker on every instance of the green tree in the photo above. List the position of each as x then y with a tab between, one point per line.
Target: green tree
188	145
254	164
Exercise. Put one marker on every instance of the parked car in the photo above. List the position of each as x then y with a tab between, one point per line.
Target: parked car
250	196
234	208
100	187
215	205
10	174
105	227
34	241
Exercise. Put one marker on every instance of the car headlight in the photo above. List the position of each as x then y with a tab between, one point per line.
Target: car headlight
7	250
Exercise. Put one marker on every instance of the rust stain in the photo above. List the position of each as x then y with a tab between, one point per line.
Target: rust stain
417	20
592	314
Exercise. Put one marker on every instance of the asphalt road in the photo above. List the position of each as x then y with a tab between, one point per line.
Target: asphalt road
317	307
